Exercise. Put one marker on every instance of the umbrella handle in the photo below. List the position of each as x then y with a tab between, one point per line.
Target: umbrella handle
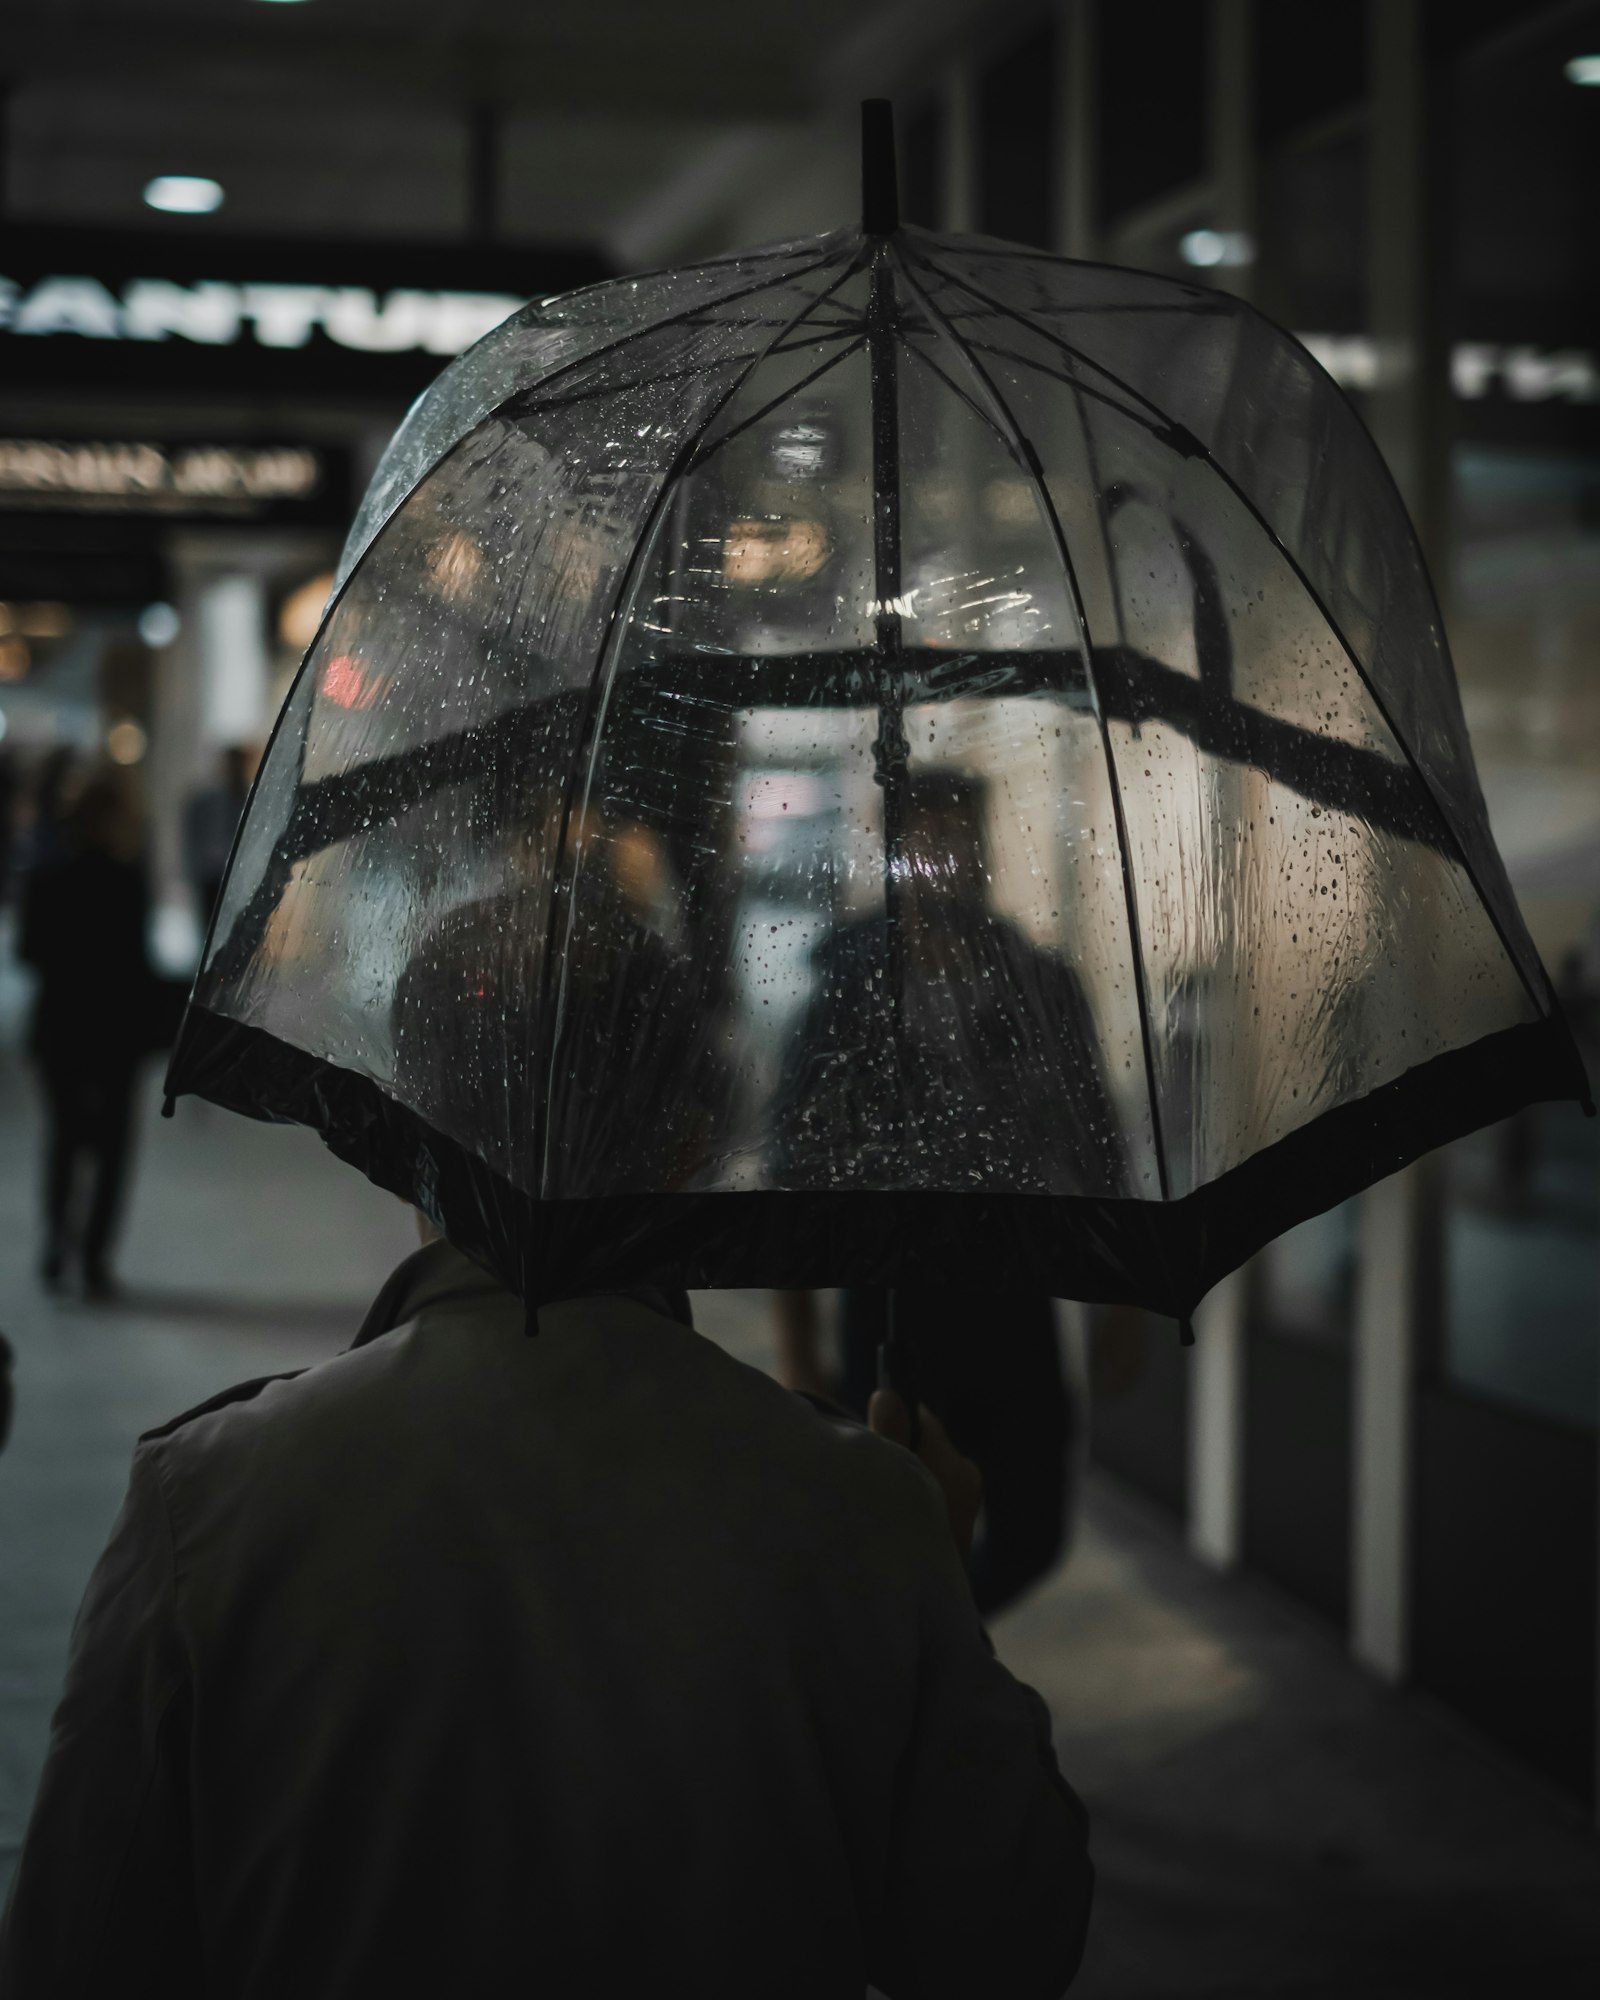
897	1369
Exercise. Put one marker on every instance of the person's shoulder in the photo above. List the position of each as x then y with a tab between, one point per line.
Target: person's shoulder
279	1406
225	1399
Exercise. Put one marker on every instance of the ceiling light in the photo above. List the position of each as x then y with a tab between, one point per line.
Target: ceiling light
158	625
41	621
1211	247
125	741
183	194
1584	69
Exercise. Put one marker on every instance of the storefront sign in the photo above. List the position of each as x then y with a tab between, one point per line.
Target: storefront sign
136	476
1478	368
206	312
215	313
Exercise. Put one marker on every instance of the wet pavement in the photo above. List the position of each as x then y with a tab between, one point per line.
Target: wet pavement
1267	1819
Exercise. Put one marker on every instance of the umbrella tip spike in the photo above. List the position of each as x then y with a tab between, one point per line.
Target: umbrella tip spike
880	183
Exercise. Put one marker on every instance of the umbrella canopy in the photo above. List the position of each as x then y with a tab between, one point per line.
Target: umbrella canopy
890	755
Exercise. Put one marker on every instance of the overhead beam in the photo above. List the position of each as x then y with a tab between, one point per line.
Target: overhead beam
667	76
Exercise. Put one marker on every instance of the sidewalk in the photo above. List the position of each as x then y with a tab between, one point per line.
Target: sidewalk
1270	1821
1267	1820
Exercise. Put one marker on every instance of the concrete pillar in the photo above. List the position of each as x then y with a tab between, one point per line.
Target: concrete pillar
232	631
1216	1424
177	753
1072	1347
1075	205
210	690
1231	141
959	201
1405	411
1383	1423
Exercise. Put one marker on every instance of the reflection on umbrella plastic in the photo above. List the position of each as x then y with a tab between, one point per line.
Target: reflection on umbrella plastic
454	563
775	551
291	936
349	682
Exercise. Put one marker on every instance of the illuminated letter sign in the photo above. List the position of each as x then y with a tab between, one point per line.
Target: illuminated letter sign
217	314
137	477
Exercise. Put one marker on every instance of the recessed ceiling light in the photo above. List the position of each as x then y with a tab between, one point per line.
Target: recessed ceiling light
1584	69
183	194
158	625
126	741
1210	247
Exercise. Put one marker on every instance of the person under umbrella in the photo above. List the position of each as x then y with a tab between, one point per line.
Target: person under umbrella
594	1662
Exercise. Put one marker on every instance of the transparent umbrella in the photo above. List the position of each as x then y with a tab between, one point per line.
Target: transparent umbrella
889	755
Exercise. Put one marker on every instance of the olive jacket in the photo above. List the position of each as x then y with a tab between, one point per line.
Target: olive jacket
593	1663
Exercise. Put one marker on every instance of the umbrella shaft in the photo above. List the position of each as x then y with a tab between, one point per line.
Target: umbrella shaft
890	751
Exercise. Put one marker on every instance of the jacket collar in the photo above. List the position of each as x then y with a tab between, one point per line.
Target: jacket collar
439	1273
429	1276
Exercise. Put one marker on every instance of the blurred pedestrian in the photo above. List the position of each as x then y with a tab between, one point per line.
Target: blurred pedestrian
84	918
983	1013
47	808
590	1663
9	793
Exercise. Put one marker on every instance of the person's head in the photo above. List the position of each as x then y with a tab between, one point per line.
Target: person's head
104	818
57	783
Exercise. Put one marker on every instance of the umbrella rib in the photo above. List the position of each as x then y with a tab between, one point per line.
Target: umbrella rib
1192	447
768	282
588	743
997	251
669	375
971	402
1029	458
778	401
756	256
1162	429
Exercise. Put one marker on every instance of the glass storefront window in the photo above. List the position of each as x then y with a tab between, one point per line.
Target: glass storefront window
1313	222
1522	1263
1521	1220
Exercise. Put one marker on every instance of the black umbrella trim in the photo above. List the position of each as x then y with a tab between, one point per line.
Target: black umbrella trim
1165	1255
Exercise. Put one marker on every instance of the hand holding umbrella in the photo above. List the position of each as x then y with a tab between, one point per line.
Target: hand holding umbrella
959	1480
